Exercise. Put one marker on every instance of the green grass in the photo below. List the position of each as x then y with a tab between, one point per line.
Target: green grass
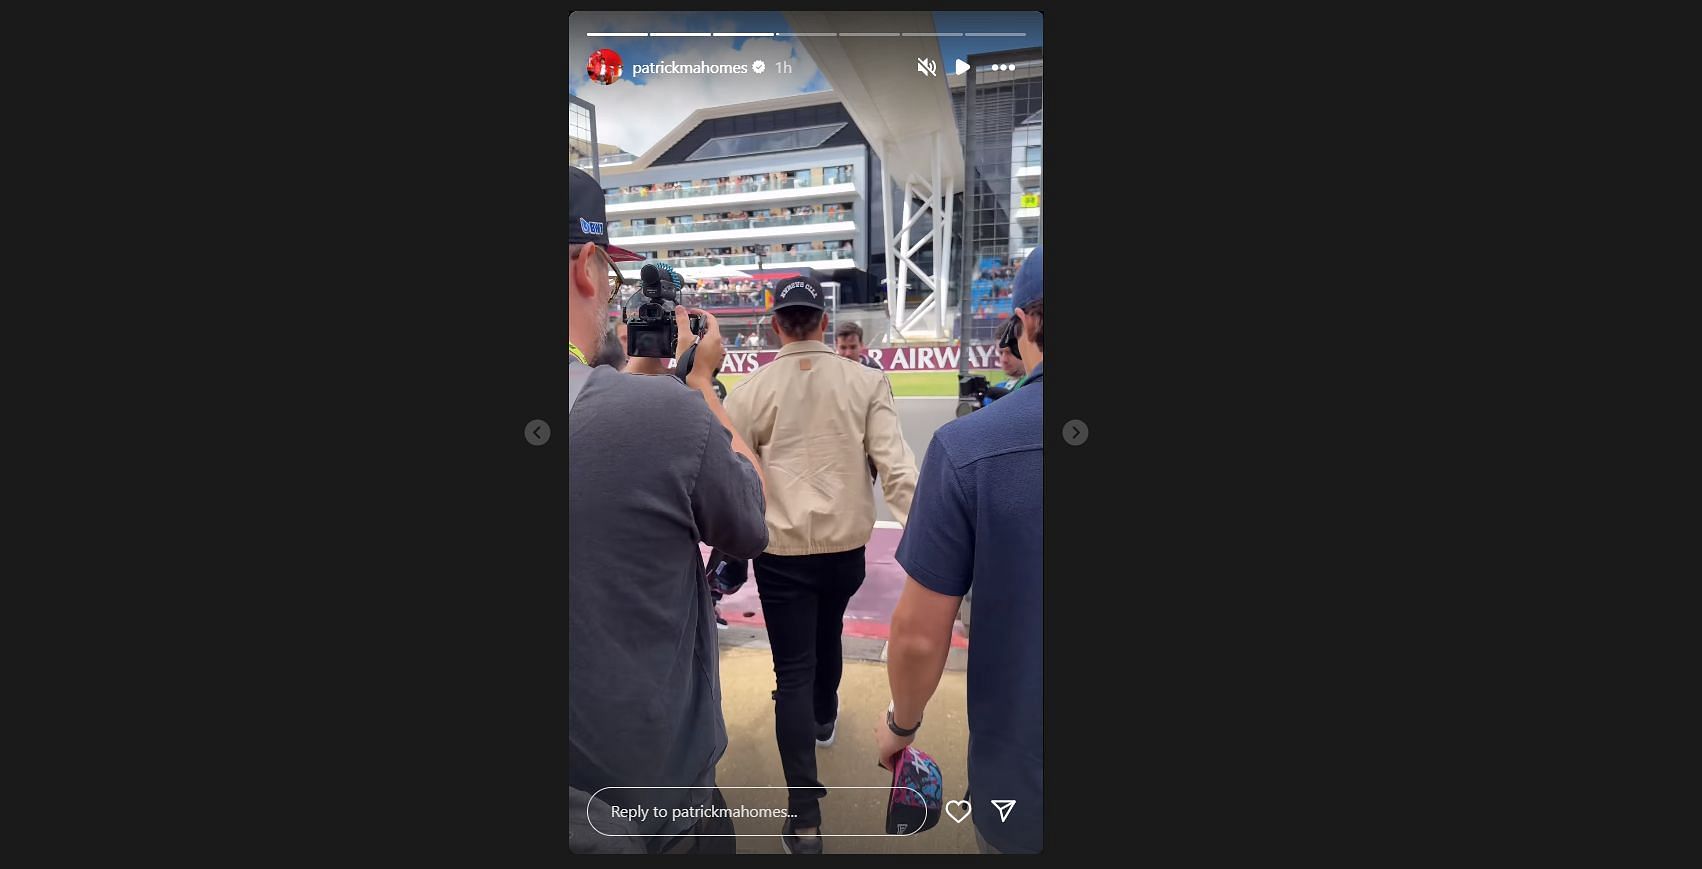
906	383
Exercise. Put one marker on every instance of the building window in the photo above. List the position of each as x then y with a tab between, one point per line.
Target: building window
1030	236
762	143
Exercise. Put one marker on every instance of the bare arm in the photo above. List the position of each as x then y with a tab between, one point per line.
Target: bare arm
916	654
916	658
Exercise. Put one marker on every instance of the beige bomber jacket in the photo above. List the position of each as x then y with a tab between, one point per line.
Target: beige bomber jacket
816	419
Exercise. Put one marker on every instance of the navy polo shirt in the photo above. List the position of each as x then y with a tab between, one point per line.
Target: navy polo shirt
976	521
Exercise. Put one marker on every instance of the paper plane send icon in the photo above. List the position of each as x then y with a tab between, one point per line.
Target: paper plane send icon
1004	807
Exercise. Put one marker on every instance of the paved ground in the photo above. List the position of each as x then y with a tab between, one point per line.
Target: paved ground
750	771
870	609
753	758
931	383
869	613
920	417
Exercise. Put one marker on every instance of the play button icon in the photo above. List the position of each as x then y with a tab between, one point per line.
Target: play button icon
961	67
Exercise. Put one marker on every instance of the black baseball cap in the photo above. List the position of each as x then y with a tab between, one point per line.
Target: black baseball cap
587	218
799	292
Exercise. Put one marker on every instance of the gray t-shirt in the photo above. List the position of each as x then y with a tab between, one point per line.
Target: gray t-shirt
651	473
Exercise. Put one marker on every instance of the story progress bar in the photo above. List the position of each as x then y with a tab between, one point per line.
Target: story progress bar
805	34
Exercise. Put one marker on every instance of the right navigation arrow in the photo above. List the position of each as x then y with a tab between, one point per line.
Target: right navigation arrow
1004	807
1075	432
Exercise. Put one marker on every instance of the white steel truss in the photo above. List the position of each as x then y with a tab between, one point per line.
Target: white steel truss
928	321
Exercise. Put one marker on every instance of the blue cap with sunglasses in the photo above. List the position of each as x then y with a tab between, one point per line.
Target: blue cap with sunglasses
587	216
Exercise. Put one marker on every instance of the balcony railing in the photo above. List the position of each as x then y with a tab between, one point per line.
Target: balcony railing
725	225
754	185
750	259
715	299
805	256
698	262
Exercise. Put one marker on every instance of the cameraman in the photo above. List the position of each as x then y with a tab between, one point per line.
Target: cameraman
1009	362
654	467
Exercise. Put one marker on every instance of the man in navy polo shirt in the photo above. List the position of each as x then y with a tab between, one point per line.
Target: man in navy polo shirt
976	521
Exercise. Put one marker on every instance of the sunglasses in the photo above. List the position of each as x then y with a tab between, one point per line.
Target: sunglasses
614	276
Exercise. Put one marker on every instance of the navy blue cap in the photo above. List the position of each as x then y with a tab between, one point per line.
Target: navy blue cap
1028	280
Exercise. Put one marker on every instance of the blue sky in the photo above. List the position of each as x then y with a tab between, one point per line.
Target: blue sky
638	110
985	22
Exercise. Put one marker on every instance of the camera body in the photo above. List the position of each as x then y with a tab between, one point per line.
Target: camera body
973	391
651	330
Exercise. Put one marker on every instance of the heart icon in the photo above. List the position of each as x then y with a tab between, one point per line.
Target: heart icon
959	805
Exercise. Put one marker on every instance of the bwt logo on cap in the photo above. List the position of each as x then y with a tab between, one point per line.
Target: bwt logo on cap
814	294
590	227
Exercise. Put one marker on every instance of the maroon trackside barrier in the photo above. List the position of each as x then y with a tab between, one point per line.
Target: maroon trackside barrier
914	358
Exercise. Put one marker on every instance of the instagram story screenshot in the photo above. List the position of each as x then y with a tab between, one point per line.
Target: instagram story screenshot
807	338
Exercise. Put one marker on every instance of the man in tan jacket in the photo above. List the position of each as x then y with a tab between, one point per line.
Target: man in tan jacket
816	420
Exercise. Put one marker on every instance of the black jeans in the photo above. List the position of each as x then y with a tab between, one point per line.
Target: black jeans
803	603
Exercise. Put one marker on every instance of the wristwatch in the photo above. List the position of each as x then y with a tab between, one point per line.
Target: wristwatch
893	725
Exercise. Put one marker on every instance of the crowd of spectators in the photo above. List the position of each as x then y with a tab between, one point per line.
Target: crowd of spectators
736	219
710	186
721	293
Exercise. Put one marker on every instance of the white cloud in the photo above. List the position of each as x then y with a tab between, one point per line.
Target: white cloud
635	117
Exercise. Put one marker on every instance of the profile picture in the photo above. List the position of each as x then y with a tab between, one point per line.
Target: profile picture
604	66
